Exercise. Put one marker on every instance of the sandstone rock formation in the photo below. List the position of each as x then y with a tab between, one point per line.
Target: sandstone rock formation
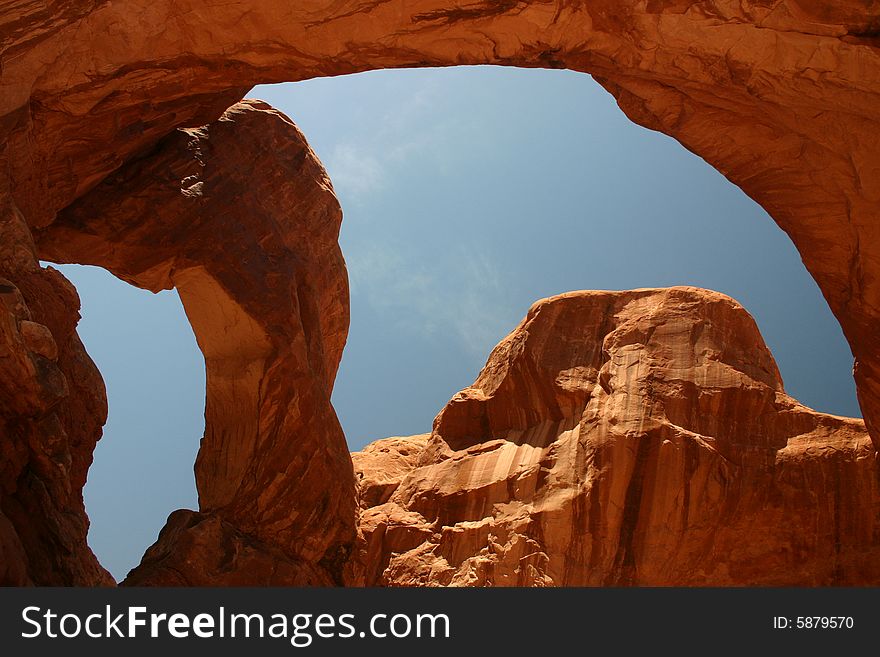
52	408
240	217
782	97
619	438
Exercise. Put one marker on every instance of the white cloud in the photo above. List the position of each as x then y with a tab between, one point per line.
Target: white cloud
463	294
362	165
355	170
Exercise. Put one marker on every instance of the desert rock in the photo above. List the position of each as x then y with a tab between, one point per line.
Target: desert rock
240	217
625	438
782	98
52	408
102	101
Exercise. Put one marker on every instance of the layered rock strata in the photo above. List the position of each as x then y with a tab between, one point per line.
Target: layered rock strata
625	438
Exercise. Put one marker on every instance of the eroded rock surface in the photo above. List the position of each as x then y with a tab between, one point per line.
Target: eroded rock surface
240	217
625	438
782	97
52	407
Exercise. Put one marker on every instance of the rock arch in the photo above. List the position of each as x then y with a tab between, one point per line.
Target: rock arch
250	243
781	97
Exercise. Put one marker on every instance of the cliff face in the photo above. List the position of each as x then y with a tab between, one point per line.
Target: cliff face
103	162
625	438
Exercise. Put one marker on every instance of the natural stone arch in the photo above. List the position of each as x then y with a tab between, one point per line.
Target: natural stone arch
240	217
781	98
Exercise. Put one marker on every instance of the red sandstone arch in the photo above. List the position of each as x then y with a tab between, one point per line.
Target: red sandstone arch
254	255
782	97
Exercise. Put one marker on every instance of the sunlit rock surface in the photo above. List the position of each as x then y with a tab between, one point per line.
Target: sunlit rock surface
625	438
781	97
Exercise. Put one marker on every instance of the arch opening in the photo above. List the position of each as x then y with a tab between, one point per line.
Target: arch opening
471	192
448	265
155	378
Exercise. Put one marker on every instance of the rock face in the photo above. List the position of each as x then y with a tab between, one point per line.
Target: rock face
240	217
52	407
781	97
625	438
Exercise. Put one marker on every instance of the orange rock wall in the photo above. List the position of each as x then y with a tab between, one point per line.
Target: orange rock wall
52	408
781	97
625	438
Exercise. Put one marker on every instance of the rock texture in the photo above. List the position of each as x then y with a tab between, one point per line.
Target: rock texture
240	217
52	407
781	96
625	438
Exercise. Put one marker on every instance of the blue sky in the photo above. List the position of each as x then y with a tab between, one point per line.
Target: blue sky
468	193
